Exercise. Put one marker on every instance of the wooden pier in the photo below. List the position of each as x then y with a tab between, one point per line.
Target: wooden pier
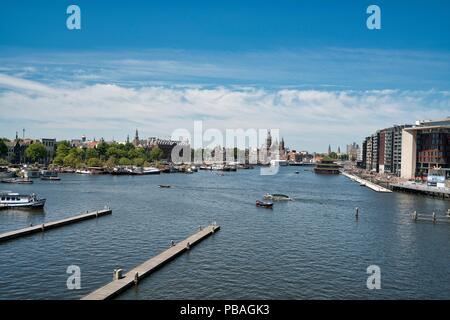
52	225
365	183
443	193
133	276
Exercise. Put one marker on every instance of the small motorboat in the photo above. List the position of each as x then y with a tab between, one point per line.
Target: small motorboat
297	172
51	178
165	186
18	180
277	197
264	204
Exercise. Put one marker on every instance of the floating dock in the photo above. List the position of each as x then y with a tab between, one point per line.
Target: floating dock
52	225
133	276
365	183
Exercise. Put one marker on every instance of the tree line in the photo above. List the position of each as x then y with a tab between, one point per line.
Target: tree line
105	154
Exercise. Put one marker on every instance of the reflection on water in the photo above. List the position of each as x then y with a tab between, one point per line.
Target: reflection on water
308	248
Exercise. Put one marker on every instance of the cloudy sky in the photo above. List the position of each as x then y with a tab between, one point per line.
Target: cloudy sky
312	70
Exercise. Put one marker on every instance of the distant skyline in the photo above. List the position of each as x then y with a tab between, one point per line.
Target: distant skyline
311	69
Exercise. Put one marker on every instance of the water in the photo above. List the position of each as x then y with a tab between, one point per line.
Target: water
310	248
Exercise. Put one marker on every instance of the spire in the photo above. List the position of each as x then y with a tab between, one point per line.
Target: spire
137	135
329	149
128	138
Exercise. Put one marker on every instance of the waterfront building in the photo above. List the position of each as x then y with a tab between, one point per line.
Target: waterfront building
426	147
166	145
353	152
375	151
50	147
326	166
16	149
369	153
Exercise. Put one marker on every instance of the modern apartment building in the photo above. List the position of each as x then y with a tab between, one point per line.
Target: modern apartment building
425	147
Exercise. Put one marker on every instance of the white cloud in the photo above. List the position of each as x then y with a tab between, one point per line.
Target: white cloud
306	118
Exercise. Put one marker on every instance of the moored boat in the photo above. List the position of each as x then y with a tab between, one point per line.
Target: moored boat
17	180
5	173
264	204
277	197
16	200
83	171
29	173
49	175
150	170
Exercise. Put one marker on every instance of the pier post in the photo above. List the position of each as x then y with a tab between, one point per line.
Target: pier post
434	217
136	278
356	213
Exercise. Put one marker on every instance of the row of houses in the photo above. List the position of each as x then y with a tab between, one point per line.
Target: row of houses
18	146
408	150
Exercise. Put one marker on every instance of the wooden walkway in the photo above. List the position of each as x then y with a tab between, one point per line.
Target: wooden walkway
366	183
133	276
52	225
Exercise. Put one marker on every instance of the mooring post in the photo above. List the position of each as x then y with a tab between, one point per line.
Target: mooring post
136	278
434	217
356	213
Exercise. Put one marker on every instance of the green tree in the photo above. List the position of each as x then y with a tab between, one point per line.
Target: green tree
125	161
91	154
102	149
156	154
94	162
116	152
71	160
62	150
36	152
333	155
138	162
3	148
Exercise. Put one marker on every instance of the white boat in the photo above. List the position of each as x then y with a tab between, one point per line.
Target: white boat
277	197
5	173
16	200
278	163
150	170
83	171
31	173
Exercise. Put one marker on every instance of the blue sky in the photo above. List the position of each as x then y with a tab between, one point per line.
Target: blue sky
311	68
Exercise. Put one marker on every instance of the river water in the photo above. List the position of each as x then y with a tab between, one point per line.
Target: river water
310	248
